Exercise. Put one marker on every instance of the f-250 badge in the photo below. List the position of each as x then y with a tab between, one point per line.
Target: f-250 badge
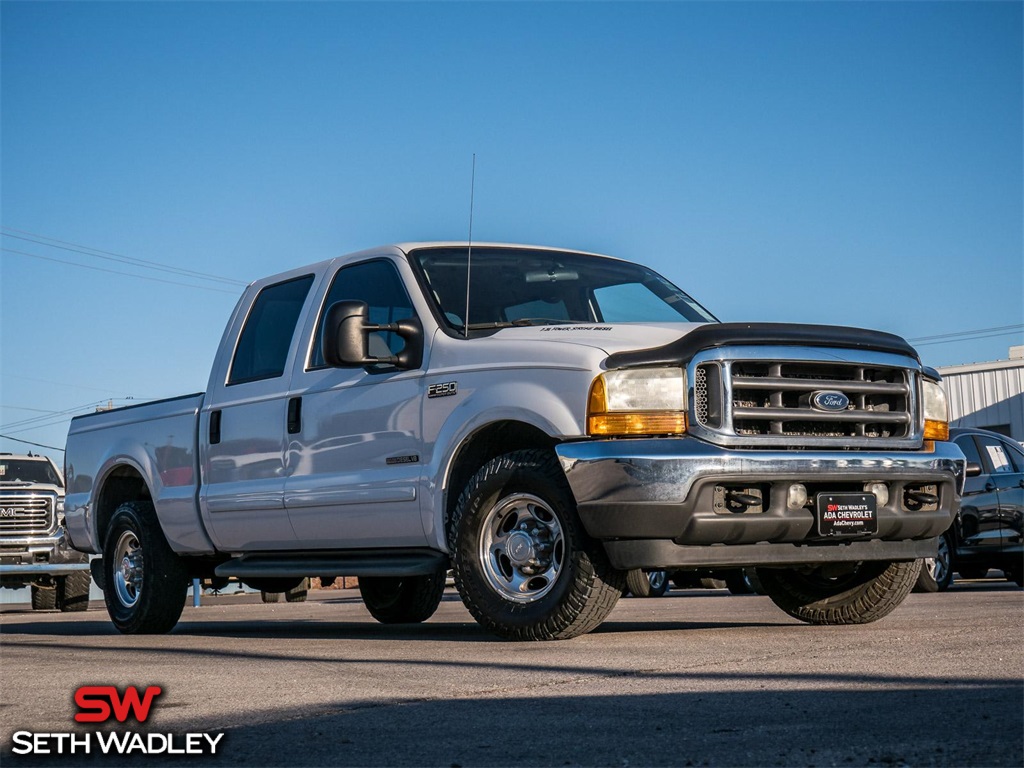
447	389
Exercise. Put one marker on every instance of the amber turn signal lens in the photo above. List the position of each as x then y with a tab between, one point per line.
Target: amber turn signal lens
607	424
936	430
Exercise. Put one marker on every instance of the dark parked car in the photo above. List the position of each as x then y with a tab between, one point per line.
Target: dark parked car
987	532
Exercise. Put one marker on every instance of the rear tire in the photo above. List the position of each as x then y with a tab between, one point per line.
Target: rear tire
146	582
44	598
73	592
298	594
523	563
861	594
736	582
402	600
642	583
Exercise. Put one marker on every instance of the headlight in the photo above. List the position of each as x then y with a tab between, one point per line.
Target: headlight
936	411
638	401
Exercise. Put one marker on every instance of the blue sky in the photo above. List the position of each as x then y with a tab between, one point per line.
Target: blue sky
847	163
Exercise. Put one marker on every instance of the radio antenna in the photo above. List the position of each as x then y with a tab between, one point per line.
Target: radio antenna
469	243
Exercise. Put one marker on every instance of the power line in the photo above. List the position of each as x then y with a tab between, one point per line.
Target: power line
29	442
106	390
117	272
969	338
24	408
58	417
1007	328
86	250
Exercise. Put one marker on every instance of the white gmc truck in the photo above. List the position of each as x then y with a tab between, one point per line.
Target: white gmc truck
538	420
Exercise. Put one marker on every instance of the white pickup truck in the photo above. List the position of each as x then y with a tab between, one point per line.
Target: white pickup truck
538	420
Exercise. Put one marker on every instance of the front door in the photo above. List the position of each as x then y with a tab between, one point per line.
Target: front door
353	455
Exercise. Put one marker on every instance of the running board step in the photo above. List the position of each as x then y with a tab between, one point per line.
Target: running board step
364	562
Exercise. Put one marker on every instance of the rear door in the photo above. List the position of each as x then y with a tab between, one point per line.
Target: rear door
242	427
353	456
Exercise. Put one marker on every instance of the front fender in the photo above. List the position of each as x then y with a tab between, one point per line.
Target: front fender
556	409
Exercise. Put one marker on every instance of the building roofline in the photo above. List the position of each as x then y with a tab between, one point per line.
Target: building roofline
994	365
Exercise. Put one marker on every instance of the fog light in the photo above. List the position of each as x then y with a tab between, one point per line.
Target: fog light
797	496
880	491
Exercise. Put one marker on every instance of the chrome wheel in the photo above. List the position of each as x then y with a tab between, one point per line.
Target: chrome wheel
658	580
522	548
128	569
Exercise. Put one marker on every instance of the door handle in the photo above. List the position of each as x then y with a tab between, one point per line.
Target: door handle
990	486
294	415
214	427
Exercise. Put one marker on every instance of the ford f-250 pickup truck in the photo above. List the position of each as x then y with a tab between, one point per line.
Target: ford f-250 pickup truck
538	420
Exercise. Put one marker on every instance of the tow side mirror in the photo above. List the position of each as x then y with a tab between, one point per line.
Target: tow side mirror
973	469
346	339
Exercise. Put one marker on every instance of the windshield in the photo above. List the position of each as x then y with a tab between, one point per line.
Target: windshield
28	471
513	286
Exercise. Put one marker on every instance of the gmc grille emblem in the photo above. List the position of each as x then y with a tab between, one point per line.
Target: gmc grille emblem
9	512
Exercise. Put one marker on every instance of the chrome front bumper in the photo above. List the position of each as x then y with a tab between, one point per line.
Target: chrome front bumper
40	555
663	489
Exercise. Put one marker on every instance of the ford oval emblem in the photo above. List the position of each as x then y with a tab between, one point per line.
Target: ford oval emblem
830	400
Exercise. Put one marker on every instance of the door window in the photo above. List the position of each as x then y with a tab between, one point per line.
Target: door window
997	455
379	285
966	444
266	337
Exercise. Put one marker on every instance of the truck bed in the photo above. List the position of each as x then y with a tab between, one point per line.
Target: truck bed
159	440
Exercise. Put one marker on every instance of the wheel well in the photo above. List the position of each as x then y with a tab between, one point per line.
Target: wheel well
485	444
122	484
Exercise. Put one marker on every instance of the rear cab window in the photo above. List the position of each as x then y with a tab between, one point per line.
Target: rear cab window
263	344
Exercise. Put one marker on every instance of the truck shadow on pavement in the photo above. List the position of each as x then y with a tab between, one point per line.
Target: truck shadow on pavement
758	721
312	629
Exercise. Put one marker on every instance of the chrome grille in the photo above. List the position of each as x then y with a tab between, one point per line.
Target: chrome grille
27	514
700	394
771	402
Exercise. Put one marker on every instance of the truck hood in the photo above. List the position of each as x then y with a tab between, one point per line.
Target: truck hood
629	345
608	338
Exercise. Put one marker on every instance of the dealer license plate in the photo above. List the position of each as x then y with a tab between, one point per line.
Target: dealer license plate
846	514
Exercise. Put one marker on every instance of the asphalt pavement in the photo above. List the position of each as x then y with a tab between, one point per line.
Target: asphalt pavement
692	678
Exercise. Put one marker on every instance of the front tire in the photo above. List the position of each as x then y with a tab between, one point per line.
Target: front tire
860	594
402	600
523	564
146	582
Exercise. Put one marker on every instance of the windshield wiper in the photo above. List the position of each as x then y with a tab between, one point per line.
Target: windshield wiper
522	322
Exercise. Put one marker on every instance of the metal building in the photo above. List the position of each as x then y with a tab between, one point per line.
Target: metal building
988	395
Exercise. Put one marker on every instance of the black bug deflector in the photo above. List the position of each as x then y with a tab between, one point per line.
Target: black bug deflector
773	334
